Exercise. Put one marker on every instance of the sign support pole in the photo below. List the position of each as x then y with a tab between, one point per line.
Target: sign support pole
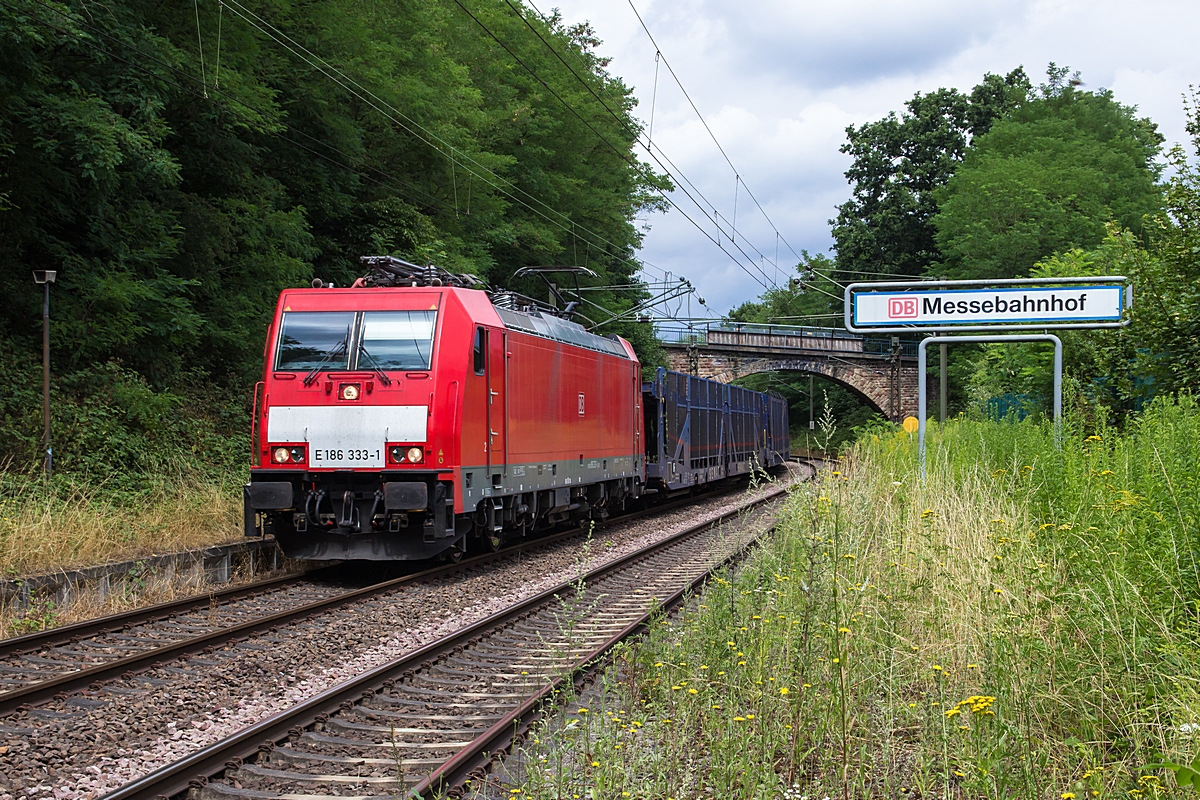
45	277
942	388
812	421
943	341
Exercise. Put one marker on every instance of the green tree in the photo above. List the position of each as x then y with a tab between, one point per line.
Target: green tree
1044	180
180	165
899	162
1166	311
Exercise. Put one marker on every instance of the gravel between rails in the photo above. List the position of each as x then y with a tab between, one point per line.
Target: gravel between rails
79	653
83	747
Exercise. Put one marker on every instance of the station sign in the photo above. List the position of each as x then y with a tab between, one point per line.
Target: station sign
982	305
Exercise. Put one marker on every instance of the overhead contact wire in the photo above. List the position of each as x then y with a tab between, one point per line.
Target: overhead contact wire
636	133
679	83
408	124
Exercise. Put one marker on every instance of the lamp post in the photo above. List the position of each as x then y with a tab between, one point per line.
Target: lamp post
46	277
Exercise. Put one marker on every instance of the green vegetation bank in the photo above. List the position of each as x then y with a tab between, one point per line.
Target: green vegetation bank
1011	180
1020	624
179	164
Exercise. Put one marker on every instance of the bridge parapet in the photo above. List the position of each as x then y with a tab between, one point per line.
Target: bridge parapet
881	369
784	337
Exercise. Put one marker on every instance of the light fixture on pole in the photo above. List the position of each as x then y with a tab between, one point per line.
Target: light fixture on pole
45	277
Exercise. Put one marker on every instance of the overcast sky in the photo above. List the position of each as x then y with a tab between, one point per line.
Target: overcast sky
779	81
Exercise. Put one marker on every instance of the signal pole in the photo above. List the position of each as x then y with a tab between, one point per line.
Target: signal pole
45	277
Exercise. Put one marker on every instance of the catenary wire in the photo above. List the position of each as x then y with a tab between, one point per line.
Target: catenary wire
407	123
204	96
704	122
674	172
622	154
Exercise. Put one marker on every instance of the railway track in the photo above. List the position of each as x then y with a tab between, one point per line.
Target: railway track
428	722
70	659
41	665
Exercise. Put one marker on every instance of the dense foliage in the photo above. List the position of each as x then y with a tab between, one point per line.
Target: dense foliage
1157	353
1045	179
899	163
984	184
178	166
1011	181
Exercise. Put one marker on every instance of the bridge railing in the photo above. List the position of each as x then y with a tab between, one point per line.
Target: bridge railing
882	346
738	334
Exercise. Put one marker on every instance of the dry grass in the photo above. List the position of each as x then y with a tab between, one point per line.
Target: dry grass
47	528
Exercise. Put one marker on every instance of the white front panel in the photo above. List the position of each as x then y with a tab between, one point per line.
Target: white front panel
990	306
346	435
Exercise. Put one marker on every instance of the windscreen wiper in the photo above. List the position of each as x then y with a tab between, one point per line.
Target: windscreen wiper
383	378
340	349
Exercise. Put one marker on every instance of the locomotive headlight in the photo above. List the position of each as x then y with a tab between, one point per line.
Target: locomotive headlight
397	454
350	391
298	455
415	455
282	455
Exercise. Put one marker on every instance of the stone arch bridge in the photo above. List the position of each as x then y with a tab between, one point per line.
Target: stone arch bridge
882	370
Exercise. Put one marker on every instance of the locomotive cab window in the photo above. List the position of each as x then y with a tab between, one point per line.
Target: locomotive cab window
396	340
315	340
480	353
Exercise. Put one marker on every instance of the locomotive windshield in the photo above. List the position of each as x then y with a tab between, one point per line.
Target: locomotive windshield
396	339
324	340
315	340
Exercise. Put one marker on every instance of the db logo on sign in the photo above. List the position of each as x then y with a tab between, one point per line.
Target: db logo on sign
902	307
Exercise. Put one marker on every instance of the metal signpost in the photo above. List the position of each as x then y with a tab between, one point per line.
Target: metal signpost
993	307
45	277
1004	338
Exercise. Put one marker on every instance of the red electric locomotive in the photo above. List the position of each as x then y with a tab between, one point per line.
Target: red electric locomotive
411	414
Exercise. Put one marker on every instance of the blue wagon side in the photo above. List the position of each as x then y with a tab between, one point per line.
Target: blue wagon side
699	431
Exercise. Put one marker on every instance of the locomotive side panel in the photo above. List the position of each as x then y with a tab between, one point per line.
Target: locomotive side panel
570	414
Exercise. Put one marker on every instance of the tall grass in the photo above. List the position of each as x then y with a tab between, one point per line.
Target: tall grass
137	468
1023	623
63	523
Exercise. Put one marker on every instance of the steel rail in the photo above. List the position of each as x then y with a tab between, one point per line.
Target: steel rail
64	634
72	682
233	751
473	760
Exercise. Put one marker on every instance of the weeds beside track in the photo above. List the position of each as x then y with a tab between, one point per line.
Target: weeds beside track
1021	624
